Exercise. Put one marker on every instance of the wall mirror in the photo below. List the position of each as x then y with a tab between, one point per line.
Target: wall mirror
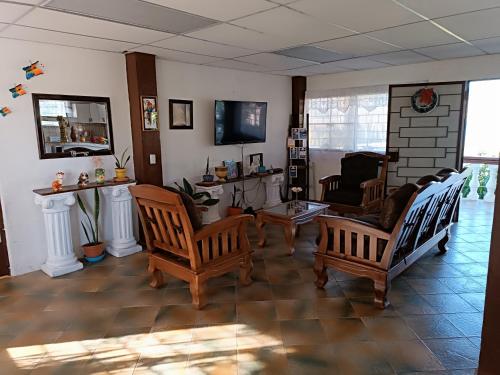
72	126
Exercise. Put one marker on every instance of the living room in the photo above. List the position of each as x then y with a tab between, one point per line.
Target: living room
413	81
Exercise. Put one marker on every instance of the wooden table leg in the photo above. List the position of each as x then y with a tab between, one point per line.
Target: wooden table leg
259	223
290	231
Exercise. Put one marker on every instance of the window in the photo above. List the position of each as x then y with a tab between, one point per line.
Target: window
349	119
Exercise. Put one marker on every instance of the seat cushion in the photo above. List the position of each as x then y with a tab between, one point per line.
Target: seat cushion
349	197
190	205
426	179
373	219
356	169
394	205
446	171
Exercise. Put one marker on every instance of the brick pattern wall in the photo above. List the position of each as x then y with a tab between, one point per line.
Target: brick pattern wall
425	142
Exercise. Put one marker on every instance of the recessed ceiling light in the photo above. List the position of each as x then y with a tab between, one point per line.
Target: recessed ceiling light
135	12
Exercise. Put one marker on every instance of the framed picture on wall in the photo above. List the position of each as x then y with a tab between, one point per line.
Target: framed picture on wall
181	114
149	110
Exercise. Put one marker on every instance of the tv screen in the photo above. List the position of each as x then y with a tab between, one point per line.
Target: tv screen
240	122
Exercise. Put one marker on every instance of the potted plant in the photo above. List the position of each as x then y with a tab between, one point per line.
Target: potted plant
121	167
235	208
93	249
207	177
188	189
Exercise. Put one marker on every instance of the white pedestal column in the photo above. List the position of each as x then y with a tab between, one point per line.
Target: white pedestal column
273	185
61	258
123	242
212	214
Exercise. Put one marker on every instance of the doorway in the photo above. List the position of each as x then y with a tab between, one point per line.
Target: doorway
4	257
481	146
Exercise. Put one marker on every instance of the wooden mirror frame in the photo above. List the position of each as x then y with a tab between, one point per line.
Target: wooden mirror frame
38	120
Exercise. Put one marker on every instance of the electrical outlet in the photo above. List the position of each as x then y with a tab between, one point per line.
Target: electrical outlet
152	159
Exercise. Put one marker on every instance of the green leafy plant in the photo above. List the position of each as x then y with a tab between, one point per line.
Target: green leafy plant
207	168
92	228
483	177
188	189
466	189
120	164
234	202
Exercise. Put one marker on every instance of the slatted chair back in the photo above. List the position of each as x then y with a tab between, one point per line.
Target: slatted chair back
166	224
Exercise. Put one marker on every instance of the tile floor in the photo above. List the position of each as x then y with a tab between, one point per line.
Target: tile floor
106	319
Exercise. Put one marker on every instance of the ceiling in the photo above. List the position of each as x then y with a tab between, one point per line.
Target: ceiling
284	37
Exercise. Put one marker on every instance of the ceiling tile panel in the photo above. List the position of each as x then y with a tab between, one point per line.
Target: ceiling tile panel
186	44
54	37
311	53
475	25
400	58
360	63
442	8
297	28
240	37
274	62
357	45
239	65
175	55
359	15
135	12
327	68
415	35
222	10
490	45
11	12
450	51
58	21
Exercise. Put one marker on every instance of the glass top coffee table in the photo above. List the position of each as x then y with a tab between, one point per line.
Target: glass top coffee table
288	215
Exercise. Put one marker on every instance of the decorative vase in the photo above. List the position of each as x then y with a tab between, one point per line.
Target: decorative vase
100	175
233	211
221	173
121	175
208	178
93	252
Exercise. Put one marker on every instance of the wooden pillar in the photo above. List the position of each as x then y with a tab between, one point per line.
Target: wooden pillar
141	79
299	85
490	349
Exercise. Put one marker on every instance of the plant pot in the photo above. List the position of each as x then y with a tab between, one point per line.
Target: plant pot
221	173
121	174
93	250
233	211
208	178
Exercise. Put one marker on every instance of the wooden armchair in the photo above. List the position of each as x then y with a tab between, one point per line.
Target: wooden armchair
194	256
359	189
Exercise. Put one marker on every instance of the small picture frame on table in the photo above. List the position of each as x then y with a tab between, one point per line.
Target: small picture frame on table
181	114
149	111
232	169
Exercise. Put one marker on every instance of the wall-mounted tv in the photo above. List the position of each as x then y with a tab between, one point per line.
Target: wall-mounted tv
240	122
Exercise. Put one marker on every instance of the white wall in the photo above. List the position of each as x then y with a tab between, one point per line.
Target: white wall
184	152
69	71
472	68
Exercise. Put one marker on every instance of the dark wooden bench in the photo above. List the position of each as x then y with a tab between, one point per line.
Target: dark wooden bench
367	250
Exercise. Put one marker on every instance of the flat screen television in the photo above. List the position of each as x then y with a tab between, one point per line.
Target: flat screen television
240	122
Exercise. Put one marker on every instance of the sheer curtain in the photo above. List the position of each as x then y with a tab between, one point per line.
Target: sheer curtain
348	119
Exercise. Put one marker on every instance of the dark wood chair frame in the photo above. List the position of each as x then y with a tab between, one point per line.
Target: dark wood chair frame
424	223
175	248
373	190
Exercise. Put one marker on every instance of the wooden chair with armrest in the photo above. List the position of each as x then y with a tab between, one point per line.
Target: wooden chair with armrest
194	256
359	189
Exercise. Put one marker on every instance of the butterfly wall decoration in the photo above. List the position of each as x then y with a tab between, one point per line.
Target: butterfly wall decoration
18	90
5	111
33	70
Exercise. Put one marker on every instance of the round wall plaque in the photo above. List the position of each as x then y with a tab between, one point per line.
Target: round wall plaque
424	100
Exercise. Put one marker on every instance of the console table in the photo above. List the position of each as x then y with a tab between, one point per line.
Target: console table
56	207
272	182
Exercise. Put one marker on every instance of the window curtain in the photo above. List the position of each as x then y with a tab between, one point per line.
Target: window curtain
348	119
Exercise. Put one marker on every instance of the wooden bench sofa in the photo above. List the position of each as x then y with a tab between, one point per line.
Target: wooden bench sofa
380	247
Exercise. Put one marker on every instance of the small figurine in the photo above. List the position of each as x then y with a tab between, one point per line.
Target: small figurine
83	179
4	111
18	90
33	70
57	184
